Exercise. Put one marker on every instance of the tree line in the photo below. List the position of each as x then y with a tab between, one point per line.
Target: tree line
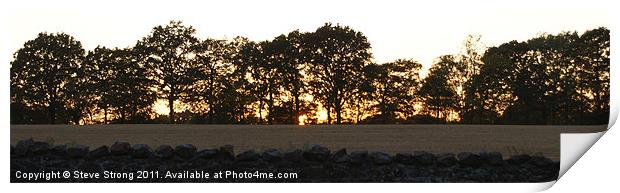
549	79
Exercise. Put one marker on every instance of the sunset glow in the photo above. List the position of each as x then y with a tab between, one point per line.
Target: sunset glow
161	107
302	119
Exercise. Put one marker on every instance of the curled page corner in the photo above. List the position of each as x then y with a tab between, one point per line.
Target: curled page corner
613	104
573	146
541	187
487	187
613	115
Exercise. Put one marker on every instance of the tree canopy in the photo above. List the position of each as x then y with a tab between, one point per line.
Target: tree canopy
43	74
323	76
336	56
167	52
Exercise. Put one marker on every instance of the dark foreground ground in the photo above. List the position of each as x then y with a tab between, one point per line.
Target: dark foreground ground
121	162
506	139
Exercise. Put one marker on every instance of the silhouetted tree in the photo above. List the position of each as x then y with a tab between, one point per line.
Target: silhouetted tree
594	64
168	51
394	86
237	96
252	86
103	62
286	53
336	56
489	91
266	57
42	71
122	84
545	80
437	91
470	64
214	64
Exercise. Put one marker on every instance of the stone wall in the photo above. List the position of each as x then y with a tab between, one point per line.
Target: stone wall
184	163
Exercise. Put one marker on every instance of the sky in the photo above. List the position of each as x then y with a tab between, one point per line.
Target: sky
396	29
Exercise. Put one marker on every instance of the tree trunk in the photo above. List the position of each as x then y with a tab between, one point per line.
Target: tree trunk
171	107
133	113
76	119
210	103
270	106
105	115
296	113
90	116
51	109
122	116
329	115
260	111
438	116
358	116
338	108
338	114
482	109
210	96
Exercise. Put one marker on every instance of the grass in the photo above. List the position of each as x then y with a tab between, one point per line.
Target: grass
509	140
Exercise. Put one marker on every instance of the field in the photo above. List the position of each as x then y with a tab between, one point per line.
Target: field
509	140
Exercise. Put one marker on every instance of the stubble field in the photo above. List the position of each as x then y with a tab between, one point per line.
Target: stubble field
507	139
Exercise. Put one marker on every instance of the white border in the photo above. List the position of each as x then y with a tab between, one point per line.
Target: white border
598	167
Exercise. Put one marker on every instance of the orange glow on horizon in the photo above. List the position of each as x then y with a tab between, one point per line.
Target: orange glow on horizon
302	119
321	115
161	107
